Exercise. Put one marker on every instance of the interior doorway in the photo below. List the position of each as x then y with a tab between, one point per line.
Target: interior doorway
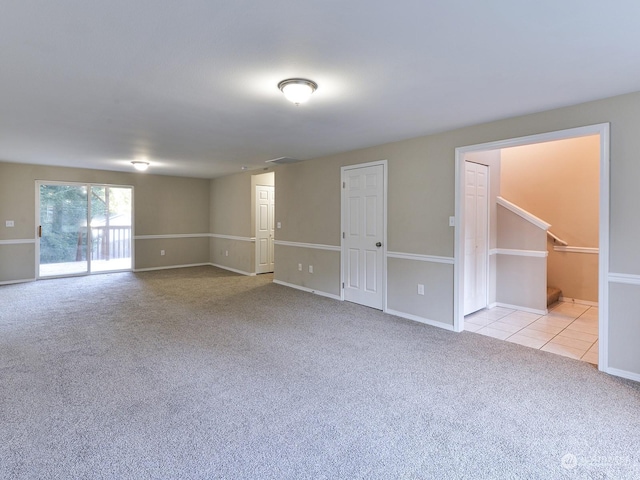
263	192
83	229
464	153
265	231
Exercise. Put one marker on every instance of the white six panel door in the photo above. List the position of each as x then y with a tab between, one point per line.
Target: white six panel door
476	243
265	211
363	223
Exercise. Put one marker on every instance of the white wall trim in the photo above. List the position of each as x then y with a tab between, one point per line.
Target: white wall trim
519	253
309	290
569	249
416	318
522	309
420	257
171	235
577	301
234	270
623	373
168	267
19	241
521	212
232	237
627	278
316	246
22	280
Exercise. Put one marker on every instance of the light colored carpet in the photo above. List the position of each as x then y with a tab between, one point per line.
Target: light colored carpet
199	373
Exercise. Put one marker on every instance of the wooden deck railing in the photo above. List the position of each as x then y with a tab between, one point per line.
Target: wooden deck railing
111	242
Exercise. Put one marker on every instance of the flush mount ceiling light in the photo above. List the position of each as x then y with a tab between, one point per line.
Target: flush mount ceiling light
140	165
297	90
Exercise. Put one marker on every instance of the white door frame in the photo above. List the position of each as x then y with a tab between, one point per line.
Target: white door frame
601	129
385	170
88	185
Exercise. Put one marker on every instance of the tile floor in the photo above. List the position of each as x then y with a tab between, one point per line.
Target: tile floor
568	329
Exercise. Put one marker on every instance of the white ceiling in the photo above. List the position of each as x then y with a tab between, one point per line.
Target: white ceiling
191	84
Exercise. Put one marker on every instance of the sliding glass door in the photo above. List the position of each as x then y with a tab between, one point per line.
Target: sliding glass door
83	229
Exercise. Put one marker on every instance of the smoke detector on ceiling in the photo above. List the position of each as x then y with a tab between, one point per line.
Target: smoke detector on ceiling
282	160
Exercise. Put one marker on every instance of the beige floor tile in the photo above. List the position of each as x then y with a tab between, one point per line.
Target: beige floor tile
495	333
570	309
585	323
556	320
483	322
594	348
590	357
500	325
545	327
472	327
517	321
494	313
587	337
583	328
526	341
572	342
591	314
524	315
537	334
563	350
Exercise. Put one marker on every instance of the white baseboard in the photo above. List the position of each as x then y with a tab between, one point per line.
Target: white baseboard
578	301
306	289
170	267
522	309
22	280
623	373
416	318
234	270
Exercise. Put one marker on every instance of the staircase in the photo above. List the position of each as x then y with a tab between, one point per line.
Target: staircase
553	295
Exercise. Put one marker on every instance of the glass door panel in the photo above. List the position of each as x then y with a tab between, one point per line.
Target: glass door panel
110	228
63	230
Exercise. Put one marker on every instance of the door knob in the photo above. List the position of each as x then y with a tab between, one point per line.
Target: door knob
378	244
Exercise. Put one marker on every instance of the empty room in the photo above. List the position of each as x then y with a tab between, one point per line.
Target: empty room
319	240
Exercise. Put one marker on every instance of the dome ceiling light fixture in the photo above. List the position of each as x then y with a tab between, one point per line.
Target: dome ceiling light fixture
297	90
140	165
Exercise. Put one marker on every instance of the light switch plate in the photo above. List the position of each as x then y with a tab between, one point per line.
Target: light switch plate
452	221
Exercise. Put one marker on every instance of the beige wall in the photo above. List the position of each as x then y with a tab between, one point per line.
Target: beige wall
162	206
559	182
521	281
422	196
232	214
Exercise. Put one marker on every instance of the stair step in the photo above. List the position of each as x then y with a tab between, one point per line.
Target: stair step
553	295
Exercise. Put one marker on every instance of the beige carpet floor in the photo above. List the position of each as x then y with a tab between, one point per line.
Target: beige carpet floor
200	373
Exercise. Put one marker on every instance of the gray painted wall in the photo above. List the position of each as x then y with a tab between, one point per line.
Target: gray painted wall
162	206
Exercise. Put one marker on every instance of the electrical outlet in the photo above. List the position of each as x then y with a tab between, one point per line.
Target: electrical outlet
310	268
299	267
420	289
162	252
226	253
279	225
9	223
